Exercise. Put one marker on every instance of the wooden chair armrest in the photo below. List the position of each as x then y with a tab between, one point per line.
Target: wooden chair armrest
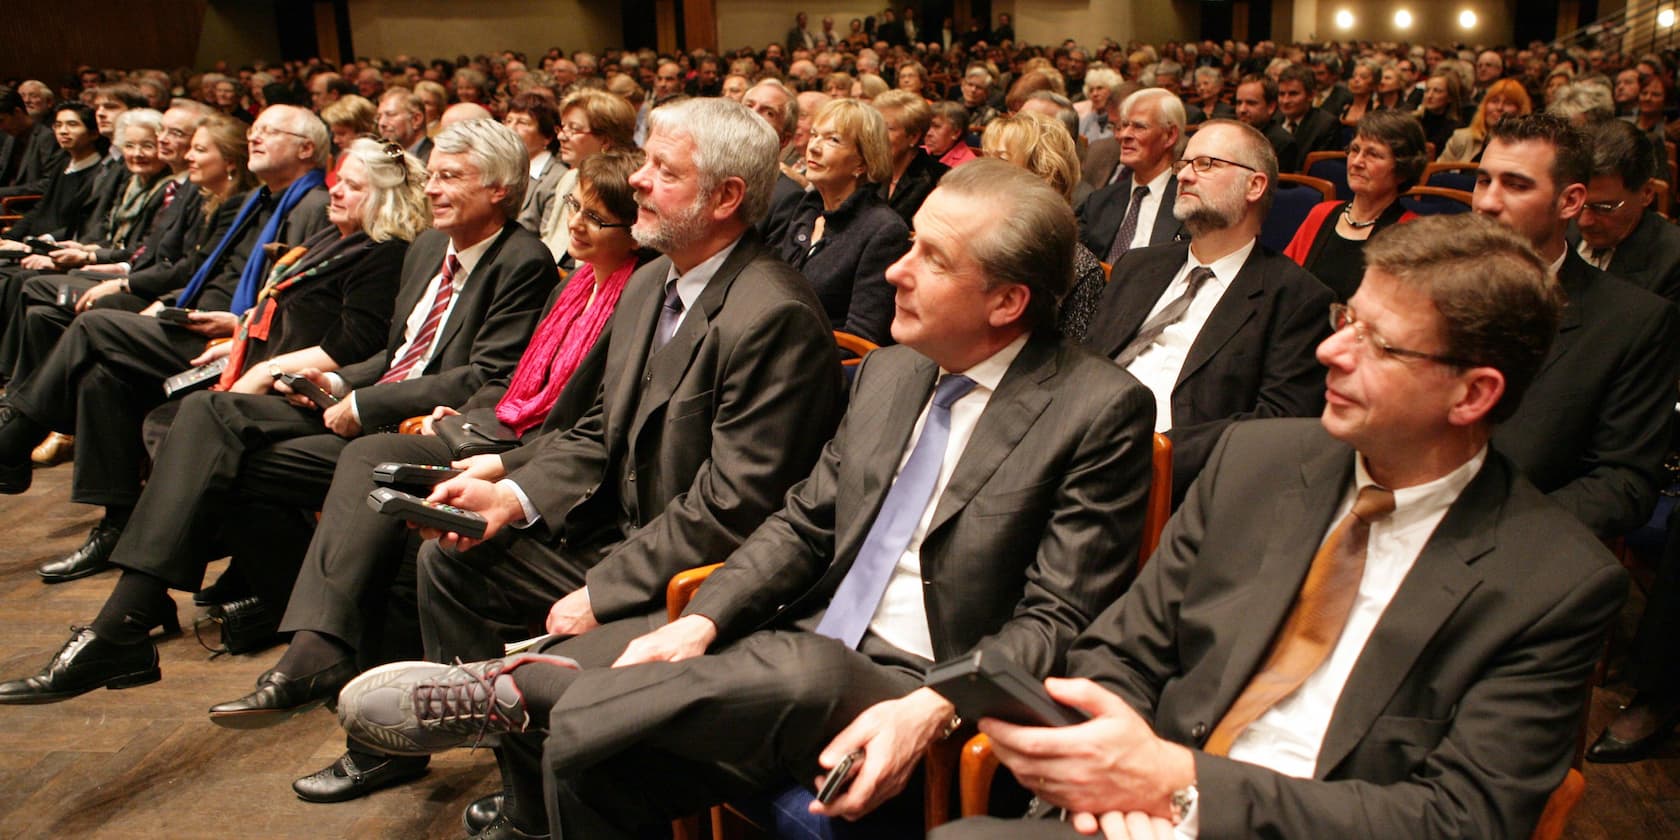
682	587
979	767
412	425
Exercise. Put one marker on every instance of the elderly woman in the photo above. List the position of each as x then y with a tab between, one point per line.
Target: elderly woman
946	133
591	122
1100	84
1443	104
842	235
327	303
914	171
912	77
1043	147
1504	98
533	117
1648	117
1385	159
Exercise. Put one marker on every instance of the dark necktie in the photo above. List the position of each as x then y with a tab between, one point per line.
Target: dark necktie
1315	621
1171	314
169	190
1128	226
422	343
1600	258
860	591
670	315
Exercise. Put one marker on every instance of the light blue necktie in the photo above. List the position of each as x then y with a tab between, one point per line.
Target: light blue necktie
860	591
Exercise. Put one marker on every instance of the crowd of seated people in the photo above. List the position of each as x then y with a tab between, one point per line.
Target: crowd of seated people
611	283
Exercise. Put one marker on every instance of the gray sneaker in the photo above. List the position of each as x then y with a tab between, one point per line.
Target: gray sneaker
418	708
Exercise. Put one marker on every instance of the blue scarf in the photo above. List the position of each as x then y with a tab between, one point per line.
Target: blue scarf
250	279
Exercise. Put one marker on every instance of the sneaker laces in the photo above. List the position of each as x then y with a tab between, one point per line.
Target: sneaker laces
465	702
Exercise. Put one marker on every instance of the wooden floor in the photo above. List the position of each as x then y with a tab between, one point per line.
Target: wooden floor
147	763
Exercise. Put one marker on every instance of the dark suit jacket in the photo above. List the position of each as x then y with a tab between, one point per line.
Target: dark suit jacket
918	181
1194	114
1319	131
307	216
1102	213
848	268
1648	258
1038	526
1460	715
689	447
190	238
41	157
1253	357
1592	429
1288	151
482	339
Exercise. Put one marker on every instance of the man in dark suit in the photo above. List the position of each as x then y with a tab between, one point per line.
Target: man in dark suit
1594	427
1314	129
28	152
468	301
105	374
722	385
1257	105
1446	700
1242	347
1332	93
1619	229
1136	210
402	120
984	490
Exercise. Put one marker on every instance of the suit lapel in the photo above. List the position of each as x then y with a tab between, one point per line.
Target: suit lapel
1009	413
1139	288
476	281
1166	227
1239	303
1432	591
1573	278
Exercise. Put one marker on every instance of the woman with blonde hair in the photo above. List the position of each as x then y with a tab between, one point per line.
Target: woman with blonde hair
1043	147
1504	98
914	171
591	122
348	118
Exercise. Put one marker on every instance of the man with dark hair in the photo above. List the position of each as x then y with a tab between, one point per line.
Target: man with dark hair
1219	328
984	491
1256	99
1333	93
1314	129
1365	625
1594	427
28	152
1619	229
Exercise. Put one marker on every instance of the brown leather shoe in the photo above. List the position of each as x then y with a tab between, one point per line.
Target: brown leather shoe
56	449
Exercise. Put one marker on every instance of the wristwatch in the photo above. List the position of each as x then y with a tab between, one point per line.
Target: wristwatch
1183	800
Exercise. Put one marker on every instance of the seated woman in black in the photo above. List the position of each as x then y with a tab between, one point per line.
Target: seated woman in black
1385	159
842	236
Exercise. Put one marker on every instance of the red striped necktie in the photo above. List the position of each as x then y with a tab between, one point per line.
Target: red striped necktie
422	342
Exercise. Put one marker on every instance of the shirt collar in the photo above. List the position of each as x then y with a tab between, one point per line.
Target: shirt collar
470	256
540	162
1430	498
690	285
988	373
1557	264
1225	268
1158	185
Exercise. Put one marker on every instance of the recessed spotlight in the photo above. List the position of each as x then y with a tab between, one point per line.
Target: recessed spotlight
1403	19
1665	18
1467	19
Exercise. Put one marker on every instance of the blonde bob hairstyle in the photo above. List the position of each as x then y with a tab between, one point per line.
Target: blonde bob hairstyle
862	126
1036	143
396	205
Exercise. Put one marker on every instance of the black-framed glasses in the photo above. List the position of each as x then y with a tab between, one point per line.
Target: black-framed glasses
1603	208
1342	316
590	217
1203	164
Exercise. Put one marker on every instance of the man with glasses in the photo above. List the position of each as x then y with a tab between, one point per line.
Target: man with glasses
402	120
1135	209
1595	425
1619	229
1365	625
1218	327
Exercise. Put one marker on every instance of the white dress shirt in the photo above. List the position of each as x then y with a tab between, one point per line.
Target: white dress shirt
1586	252
901	617
1158	366
1149	209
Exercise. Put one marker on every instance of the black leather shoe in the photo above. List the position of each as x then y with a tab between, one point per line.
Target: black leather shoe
502	829
15	474
281	697
85	663
481	813
92	558
15	478
1609	749
344	780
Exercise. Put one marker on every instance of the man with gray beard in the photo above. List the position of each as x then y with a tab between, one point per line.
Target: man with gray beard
1219	328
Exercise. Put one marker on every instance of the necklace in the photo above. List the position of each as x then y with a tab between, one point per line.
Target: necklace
1347	216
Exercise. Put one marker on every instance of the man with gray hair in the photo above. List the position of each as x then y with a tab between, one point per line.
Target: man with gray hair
1219	328
1135	208
984	490
1583	104
402	120
773	101
722	385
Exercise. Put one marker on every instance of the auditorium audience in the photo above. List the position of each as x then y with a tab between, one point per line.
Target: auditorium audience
1385	159
28	150
1135	209
66	201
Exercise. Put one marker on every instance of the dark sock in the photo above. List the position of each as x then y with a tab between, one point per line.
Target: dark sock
138	603
116	516
310	652
541	684
19	436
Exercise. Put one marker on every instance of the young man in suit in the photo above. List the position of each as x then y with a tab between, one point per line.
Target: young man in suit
1594	427
1236	343
1364	625
1314	129
985	489
1136	210
1257	100
1619	229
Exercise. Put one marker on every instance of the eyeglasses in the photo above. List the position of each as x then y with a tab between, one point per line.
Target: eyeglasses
264	132
1203	164
590	217
396	153
1603	208
1343	316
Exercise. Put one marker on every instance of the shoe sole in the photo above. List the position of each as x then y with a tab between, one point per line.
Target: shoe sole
134	680
262	718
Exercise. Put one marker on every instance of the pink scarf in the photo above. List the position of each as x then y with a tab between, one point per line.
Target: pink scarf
561	341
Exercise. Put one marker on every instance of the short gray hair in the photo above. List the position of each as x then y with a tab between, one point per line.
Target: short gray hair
1168	107
141	117
496	151
1100	76
1032	237
729	142
305	123
1587	100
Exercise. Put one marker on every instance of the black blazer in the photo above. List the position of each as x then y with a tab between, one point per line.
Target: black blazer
1592	429
344	305
138	232
1035	533
1103	211
1459	716
1648	258
848	268
482	339
1101	159
41	157
1253	358
191	237
307	216
1319	131
686	449
1284	146
919	179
